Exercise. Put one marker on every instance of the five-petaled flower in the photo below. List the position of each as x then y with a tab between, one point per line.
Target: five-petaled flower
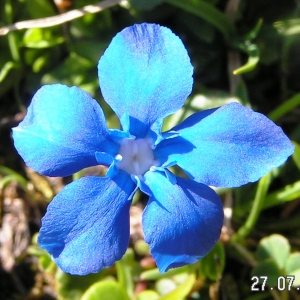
145	75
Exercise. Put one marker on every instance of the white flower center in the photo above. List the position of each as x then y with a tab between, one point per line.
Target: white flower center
137	156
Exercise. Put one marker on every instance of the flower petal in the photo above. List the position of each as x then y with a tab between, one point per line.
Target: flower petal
61	132
181	222
145	73
86	227
226	147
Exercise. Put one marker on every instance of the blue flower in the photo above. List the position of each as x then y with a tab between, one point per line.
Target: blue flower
145	75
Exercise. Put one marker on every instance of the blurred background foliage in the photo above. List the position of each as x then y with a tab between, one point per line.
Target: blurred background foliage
241	50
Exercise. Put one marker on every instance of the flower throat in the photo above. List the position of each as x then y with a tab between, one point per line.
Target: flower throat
137	156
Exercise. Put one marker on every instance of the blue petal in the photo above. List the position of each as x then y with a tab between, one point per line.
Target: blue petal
145	73
61	132
226	147
86	227
181	222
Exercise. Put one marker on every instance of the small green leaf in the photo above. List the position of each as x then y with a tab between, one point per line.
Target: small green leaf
40	63
47	263
288	27
288	193
154	274
267	268
105	290
164	286
147	295
212	265
296	155
8	66
124	271
35	250
182	290
40	38
141	248
72	287
253	59
275	247
292	267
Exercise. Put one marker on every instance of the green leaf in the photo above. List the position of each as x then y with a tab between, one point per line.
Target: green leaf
41	62
253	59
40	38
43	256
164	286
212	265
71	287
296	155
141	248
8	66
292	267
288	27
154	274
47	263
105	290
275	247
209	13
182	290
267	268
147	295
124	271
288	193
285	108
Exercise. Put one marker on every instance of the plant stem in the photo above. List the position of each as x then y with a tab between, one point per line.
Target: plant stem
285	107
12	42
258	204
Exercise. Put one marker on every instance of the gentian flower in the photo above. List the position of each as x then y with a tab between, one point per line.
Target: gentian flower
145	75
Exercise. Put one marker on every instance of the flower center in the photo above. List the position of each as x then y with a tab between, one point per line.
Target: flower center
137	156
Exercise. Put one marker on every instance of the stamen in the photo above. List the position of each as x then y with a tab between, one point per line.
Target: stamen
137	156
